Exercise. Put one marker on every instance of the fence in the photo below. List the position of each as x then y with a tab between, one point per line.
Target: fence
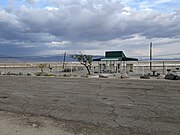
140	67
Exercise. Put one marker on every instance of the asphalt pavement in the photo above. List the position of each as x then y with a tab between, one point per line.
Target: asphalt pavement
101	106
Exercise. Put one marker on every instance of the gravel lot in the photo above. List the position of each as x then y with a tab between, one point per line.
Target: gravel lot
85	106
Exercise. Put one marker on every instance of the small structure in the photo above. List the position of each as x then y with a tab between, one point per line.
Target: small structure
114	62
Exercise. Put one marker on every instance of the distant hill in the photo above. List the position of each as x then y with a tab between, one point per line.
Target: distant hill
36	59
55	58
161	59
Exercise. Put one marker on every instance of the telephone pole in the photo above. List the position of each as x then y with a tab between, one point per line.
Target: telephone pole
64	60
151	56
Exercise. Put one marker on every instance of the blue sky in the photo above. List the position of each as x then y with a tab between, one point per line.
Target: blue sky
50	27
165	7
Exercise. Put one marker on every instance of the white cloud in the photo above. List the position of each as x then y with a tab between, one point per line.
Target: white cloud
90	26
51	8
58	44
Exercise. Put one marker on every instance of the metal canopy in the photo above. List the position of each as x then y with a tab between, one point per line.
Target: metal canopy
115	56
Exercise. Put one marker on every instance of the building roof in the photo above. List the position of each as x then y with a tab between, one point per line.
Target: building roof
115	56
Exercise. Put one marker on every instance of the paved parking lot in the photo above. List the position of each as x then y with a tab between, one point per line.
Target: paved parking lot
101	106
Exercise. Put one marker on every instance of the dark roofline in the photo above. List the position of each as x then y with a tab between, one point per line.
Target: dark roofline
114	55
131	59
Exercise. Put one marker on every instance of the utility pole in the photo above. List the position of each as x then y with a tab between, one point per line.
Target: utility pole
151	56
64	60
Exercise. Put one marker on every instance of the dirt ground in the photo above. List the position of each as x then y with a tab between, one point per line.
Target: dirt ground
82	106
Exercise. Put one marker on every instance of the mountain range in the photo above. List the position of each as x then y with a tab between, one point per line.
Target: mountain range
55	58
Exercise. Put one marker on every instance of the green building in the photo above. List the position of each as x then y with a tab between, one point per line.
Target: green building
115	61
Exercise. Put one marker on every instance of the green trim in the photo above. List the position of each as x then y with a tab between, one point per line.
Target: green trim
115	56
111	59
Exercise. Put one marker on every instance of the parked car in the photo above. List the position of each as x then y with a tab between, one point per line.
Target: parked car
173	76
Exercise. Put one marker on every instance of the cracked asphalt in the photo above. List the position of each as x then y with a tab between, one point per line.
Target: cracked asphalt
101	106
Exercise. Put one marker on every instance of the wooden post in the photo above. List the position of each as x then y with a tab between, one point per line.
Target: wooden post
163	68
98	67
71	68
143	70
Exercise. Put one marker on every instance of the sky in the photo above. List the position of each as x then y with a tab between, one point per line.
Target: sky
51	27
